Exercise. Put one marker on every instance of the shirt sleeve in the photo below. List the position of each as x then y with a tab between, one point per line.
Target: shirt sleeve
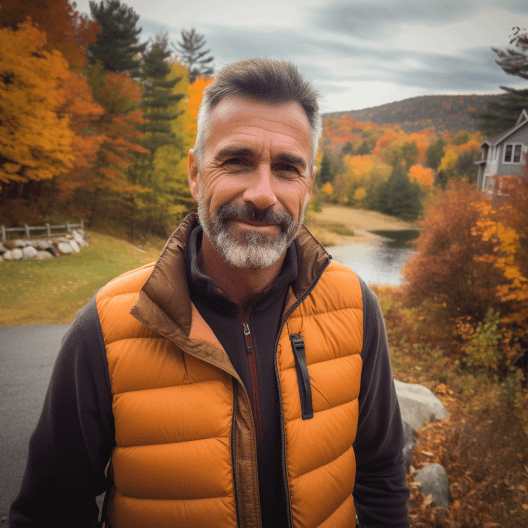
74	437
380	493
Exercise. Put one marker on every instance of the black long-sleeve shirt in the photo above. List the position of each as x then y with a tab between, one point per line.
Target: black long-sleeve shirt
74	438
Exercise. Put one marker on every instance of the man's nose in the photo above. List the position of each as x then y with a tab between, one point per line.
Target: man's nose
259	192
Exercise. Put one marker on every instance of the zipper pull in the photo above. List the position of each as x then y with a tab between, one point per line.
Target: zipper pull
246	329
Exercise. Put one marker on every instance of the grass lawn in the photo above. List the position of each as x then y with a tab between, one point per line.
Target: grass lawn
51	291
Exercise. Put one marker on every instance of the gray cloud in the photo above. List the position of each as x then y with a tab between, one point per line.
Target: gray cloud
369	19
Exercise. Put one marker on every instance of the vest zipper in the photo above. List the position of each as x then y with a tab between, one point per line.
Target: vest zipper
253	376
281	408
233	450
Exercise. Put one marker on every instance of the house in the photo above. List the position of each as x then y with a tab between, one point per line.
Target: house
503	156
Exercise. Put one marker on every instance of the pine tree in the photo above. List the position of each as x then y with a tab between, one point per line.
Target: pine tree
193	56
158	96
499	116
400	196
117	45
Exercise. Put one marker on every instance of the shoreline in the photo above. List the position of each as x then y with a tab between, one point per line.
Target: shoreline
361	221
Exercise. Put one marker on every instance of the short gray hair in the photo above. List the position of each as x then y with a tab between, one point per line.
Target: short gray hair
272	81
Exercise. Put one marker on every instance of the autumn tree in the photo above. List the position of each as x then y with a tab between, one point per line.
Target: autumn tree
35	141
104	185
191	54
117	45
446	271
66	30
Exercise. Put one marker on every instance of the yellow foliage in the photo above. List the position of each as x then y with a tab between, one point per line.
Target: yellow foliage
359	195
448	162
327	190
34	140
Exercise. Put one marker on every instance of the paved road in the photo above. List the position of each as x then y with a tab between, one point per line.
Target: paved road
27	355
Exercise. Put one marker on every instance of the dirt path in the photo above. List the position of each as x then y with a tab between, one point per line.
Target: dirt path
362	222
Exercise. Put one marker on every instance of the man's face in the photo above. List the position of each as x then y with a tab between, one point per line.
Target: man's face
254	179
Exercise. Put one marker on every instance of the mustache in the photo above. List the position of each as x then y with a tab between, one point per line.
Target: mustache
245	212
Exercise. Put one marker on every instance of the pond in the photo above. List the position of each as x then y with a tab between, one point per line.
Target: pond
378	264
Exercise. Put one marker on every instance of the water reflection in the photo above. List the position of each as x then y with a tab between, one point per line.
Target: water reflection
375	264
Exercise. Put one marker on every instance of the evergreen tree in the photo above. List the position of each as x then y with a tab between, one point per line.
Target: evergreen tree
499	116
158	96
194	56
515	62
117	46
400	196
327	171
435	153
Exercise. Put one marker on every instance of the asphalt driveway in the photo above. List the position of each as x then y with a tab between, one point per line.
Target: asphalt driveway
27	355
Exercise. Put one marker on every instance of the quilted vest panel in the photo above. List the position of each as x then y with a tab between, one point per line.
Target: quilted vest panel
320	459
172	463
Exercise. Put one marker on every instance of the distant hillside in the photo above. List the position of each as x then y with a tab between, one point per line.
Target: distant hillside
449	113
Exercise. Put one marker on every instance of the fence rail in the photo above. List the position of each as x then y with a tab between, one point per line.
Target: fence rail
67	227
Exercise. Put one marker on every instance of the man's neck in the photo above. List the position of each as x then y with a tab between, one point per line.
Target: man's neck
241	286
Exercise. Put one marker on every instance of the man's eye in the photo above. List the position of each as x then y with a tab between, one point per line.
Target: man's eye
235	161
286	167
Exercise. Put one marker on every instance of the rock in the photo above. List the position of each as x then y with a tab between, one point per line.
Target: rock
408	447
418	403
1	259
29	252
64	248
75	246
17	254
52	250
19	243
8	255
78	238
434	482
3	249
44	255
44	244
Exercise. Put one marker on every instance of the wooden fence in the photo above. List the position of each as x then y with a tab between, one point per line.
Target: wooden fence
65	228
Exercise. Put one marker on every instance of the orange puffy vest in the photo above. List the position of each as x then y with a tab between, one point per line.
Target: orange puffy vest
185	452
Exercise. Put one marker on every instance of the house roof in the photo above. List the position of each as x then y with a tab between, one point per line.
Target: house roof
521	121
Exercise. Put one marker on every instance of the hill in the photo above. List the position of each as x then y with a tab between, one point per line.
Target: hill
449	113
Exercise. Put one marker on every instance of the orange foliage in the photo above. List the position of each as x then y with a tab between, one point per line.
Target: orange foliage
446	269
35	141
424	176
194	101
67	31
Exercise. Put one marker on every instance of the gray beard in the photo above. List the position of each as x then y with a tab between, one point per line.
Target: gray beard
256	251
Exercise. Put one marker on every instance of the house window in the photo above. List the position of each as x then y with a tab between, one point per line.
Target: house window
512	153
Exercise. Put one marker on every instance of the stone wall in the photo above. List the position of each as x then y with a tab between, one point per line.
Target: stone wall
43	249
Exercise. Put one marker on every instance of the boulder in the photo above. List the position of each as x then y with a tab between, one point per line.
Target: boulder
1	259
64	248
434	482
44	244
8	255
53	252
44	255
78	237
29	252
408	447
3	249
19	243
17	254
418	403
75	246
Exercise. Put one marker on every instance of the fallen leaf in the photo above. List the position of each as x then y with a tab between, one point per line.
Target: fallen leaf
427	453
525	507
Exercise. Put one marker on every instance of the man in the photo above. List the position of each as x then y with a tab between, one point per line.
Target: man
244	379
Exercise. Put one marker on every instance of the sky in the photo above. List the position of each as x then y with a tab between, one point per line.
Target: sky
357	53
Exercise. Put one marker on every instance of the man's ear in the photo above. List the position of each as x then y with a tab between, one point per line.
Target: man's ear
192	176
